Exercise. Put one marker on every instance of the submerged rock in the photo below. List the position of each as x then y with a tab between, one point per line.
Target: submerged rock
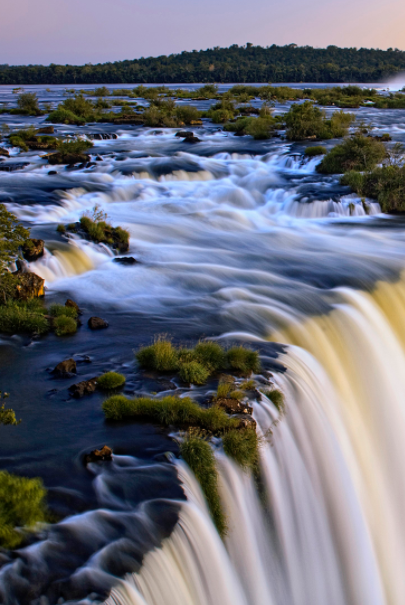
4	152
125	260
65	368
71	303
33	249
96	323
68	158
46	130
86	387
99	455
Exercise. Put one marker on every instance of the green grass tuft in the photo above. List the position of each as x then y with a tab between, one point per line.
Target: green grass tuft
64	325
242	447
243	360
211	355
160	356
18	317
194	372
315	151
57	310
199	456
277	398
110	380
22	505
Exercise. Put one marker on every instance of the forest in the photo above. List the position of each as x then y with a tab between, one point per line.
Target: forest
237	64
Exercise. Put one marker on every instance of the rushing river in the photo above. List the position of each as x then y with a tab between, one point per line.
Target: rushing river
237	240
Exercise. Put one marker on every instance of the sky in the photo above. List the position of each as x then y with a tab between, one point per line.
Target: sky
96	31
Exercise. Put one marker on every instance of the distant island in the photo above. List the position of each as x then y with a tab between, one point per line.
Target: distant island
236	64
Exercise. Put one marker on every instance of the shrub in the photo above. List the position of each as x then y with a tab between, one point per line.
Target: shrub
187	113
211	355
260	128
99	230
305	121
355	153
243	360
199	456
160	356
22	505
27	103
64	325
194	372
169	410
315	151
18	317
74	146
242	447
110	380
64	116
12	236
61	228
385	184
101	92
60	310
7	416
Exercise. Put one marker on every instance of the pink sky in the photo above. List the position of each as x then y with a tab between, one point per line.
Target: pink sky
80	31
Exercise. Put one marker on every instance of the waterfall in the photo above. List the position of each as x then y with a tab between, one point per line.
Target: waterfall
328	527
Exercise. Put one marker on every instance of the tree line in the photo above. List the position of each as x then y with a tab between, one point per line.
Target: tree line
238	64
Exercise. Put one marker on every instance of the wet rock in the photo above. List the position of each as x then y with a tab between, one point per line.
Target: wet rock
33	249
14	166
4	152
51	172
68	158
99	158
184	134
245	421
65	368
73	305
233	406
192	139
80	389
29	286
46	130
96	323
125	260
99	455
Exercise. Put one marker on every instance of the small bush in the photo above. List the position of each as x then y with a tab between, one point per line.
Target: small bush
64	325
224	390
314	151
22	505
243	360
355	153
260	128
73	146
161	356
27	103
60	310
64	116
242	447
23	318
385	184
211	355
199	456
193	372
110	380
61	229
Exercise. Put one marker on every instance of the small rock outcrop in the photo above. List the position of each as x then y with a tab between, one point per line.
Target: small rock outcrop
233	406
46	130
125	260
33	249
105	454
80	389
68	158
96	323
73	305
4	152
65	368
29	285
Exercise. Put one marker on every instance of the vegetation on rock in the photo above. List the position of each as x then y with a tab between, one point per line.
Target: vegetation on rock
110	380
357	152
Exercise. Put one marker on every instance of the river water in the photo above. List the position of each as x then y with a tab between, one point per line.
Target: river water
236	240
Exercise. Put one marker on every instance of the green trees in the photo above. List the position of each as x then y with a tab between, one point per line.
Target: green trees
12	235
27	103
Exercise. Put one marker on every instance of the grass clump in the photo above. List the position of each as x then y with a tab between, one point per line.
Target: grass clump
199	456
65	116
22	505
211	355
277	398
242	447
60	310
167	411
99	231
355	153
243	360
110	380
23	317
64	326
194	372
160	356
315	151
386	184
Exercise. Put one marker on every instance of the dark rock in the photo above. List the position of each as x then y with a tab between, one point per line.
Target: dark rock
99	158
231	406
46	130
33	249
99	455
65	368
51	172
192	139
183	134
14	166
86	387
29	286
165	385
4	152
125	260
96	323
68	158
71	304
245	421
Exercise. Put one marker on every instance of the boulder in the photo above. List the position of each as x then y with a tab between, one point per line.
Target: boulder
233	406
68	158
29	286
192	139
86	387
96	323
71	303
65	368
46	130
4	152
52	172
33	249
99	455
125	260
182	134
245	421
